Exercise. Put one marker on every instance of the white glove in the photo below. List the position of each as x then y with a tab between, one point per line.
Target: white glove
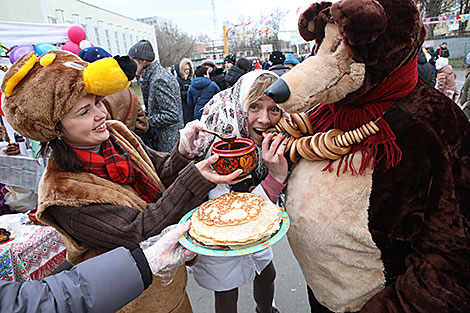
193	139
164	254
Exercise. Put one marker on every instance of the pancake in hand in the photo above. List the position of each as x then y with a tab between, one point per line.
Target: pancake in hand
235	221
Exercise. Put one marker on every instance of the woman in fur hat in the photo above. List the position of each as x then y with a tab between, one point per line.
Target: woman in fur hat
102	187
245	111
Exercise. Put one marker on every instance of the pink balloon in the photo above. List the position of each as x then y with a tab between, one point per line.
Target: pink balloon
19	51
72	47
76	34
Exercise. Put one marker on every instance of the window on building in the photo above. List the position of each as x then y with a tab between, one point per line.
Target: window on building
52	20
108	40
117	42
84	26
97	36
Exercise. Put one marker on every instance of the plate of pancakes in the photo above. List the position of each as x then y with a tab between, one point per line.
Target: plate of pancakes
234	224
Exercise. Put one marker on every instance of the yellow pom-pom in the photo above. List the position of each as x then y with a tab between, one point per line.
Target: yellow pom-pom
47	59
104	77
18	76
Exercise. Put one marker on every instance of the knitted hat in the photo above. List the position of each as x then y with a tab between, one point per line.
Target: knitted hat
441	62
231	58
276	57
92	54
142	50
291	59
39	92
244	64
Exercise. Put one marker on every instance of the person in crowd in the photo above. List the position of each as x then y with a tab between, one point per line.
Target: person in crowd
86	287
291	60
202	89
103	187
442	51
162	99
184	72
265	65
123	106
465	92
277	59
430	55
425	70
245	111
446	78
241	67
216	74
229	61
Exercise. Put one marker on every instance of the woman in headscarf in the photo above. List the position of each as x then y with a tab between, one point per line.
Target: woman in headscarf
245	111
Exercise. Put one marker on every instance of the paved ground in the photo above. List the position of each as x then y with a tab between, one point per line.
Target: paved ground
290	295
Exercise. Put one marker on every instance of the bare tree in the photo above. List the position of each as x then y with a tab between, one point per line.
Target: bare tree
173	44
433	8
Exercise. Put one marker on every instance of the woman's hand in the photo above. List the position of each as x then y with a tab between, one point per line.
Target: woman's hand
193	141
205	169
273	156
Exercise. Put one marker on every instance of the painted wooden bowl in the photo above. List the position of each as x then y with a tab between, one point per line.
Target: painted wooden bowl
240	154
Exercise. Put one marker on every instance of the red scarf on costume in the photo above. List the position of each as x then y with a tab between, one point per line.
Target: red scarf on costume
116	166
370	107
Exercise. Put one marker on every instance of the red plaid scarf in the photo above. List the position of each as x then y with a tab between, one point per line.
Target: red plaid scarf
369	107
116	166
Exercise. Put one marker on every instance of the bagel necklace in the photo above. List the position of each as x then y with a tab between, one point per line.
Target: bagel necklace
329	145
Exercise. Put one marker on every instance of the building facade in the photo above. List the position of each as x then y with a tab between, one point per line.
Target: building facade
114	32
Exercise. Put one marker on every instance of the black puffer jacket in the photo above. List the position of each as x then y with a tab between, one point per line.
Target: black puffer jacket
218	77
425	70
233	74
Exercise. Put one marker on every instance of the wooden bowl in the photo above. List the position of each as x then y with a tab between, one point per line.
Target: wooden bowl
240	154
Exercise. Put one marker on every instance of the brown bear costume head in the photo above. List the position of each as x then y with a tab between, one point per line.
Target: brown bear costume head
359	44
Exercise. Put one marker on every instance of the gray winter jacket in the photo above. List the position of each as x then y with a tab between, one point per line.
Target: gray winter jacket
102	284
161	94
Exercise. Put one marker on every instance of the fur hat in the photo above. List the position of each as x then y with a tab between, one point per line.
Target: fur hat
39	92
92	54
142	50
244	64
209	63
276	57
231	58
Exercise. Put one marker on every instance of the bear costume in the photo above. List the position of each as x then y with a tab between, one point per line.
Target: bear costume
385	227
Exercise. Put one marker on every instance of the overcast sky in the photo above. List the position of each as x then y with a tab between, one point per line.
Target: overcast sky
196	17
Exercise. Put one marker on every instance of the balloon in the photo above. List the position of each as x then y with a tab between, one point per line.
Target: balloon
85	44
19	51
72	47
42	48
76	34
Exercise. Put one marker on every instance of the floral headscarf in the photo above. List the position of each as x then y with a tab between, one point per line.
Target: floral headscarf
225	113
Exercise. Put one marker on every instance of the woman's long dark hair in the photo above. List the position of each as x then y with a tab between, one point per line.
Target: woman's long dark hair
63	154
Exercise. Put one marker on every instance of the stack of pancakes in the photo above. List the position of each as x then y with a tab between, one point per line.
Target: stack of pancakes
234	221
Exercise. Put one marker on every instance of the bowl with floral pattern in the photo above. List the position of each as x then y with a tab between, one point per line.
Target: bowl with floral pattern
239	154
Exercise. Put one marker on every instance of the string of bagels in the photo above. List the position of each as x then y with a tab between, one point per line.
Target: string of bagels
329	145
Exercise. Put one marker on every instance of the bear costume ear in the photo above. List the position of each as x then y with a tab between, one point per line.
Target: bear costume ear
312	22
360	22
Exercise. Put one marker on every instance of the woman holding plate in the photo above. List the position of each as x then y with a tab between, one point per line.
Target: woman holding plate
245	111
102	187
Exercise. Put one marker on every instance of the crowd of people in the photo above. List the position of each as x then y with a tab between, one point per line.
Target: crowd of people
140	175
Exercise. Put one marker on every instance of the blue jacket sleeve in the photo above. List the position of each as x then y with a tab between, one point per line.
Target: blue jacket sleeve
102	284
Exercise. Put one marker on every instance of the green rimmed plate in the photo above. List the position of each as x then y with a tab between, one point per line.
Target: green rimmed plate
191	245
